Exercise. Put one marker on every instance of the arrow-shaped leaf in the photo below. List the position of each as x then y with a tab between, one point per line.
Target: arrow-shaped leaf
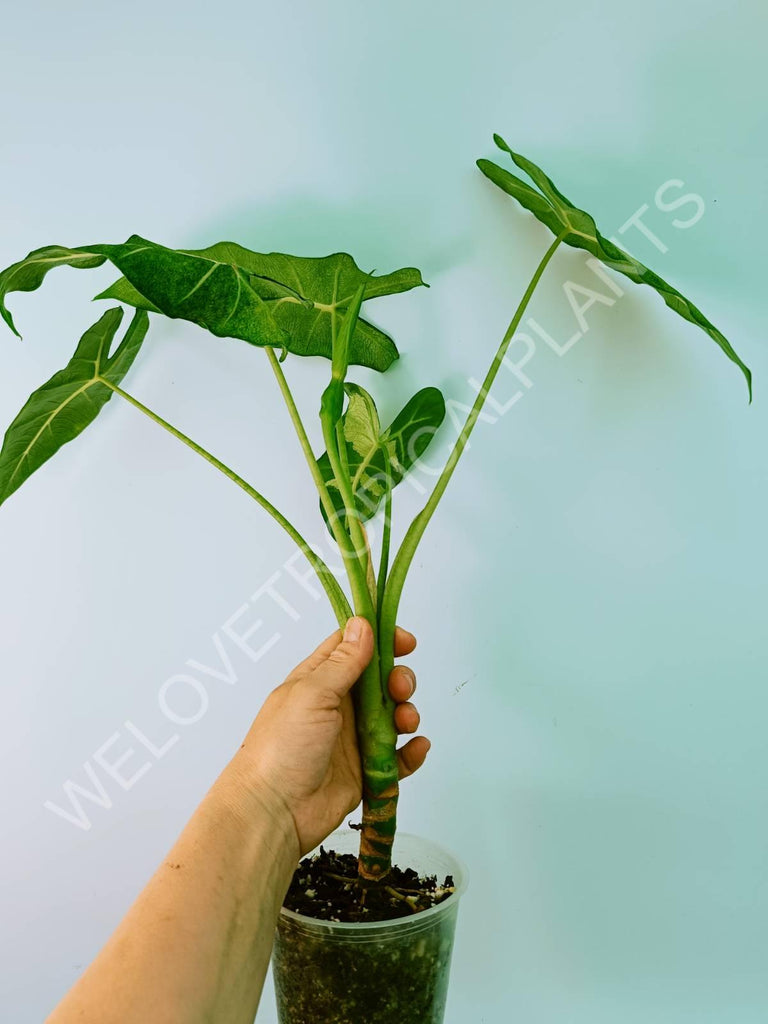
579	230
269	299
207	289
64	406
213	293
301	293
378	460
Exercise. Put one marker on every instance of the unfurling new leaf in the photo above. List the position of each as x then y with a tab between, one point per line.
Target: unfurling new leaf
64	406
332	400
579	230
378	460
272	299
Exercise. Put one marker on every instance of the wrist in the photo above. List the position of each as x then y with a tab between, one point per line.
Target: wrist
252	800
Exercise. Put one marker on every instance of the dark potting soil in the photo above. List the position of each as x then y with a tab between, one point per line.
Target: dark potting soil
335	978
327	887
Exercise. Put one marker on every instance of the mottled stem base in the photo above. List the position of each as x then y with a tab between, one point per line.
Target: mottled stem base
377	834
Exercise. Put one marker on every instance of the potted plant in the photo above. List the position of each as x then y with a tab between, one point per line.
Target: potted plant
390	925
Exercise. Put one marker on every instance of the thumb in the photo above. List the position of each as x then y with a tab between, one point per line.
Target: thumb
346	662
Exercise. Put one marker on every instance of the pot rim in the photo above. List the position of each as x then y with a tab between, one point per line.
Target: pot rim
420	918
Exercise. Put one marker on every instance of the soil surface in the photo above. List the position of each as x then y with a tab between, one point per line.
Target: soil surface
327	887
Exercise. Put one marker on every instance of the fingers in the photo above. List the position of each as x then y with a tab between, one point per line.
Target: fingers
345	662
411	756
407	718
402	682
405	642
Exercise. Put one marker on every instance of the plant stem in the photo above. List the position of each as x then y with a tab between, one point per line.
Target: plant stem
340	535
380	801
370	575
354	524
401	564
374	708
380	808
301	433
385	541
328	581
377	740
352	552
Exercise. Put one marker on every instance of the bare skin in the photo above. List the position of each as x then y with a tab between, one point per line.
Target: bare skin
195	946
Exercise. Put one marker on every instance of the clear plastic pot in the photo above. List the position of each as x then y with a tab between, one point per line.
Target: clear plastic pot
385	972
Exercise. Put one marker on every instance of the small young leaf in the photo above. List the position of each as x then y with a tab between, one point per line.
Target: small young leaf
361	421
64	406
378	460
579	230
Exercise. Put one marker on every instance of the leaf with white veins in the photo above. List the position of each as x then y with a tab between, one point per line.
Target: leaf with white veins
66	404
272	299
579	230
378	460
301	294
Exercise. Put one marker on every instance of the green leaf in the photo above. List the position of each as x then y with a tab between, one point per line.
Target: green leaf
579	230
269	299
128	294
361	422
207	290
27	275
302	293
64	406
378	460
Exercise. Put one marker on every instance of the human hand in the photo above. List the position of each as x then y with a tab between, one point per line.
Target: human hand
301	752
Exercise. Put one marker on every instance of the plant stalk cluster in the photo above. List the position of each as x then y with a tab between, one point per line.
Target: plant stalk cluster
375	594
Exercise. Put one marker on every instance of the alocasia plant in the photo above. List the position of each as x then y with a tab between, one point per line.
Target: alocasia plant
305	307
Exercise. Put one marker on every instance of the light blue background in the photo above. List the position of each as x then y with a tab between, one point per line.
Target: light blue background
596	576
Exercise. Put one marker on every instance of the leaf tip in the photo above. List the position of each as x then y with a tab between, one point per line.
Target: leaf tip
9	320
394	355
487	167
420	282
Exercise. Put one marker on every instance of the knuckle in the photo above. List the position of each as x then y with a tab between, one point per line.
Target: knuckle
341	656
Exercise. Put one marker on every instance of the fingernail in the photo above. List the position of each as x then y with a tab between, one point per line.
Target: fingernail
353	631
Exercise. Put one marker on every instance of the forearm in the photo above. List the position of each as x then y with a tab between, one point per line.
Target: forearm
195	945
